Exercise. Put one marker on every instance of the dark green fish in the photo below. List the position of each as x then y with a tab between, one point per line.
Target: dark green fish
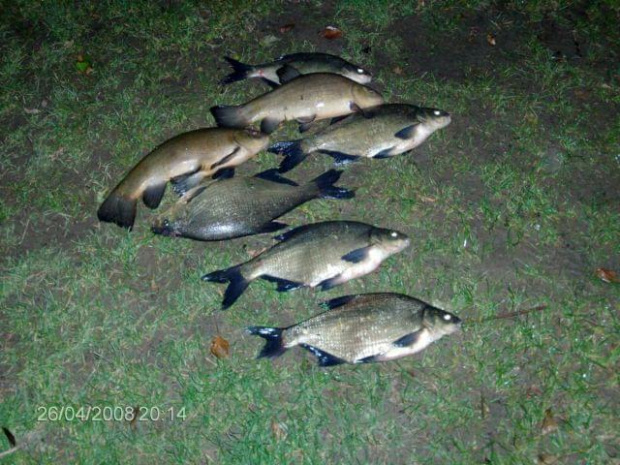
320	254
382	132
363	328
286	67
242	206
305	99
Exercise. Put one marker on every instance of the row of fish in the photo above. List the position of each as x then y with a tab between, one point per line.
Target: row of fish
306	88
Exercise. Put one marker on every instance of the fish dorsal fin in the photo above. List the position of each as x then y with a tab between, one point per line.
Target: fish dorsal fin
406	133
337	302
273	176
408	339
293	232
324	359
366	113
287	73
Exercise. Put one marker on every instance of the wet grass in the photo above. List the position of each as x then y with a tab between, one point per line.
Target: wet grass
511	207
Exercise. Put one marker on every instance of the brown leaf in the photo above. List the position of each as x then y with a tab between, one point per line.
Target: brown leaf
286	28
219	347
549	424
609	276
491	39
547	459
331	33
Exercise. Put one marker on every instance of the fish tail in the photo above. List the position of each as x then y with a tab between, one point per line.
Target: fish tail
237	283
229	116
240	72
118	209
327	190
274	345
292	151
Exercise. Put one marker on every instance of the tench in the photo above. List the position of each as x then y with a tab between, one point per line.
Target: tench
305	99
281	70
242	206
320	254
384	131
185	160
362	328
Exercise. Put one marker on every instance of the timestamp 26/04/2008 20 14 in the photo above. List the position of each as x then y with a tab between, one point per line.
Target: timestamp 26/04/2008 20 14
109	413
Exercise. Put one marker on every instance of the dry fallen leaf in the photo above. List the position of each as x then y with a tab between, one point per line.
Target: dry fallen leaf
491	39
426	199
609	276
219	347
547	459
286	28
549	424
331	33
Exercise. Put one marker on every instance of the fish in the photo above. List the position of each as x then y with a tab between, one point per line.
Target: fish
383	132
242	206
321	255
305	99
362	328
285	67
184	160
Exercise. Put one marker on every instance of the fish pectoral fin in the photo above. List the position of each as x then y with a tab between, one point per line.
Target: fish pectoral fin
406	133
369	359
305	123
337	302
274	176
287	73
407	340
273	85
331	282
153	194
268	125
224	173
284	285
325	359
385	153
337	119
340	158
272	226
192	194
225	159
185	182
357	255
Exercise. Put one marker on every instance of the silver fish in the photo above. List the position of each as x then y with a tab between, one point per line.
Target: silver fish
362	328
287	67
382	132
321	254
242	206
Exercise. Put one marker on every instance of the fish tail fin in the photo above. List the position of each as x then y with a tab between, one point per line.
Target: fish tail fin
274	345
327	190
240	72
229	116
237	283
292	151
119	209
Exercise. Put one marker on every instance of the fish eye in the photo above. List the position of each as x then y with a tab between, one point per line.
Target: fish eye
437	112
360	71
394	234
447	317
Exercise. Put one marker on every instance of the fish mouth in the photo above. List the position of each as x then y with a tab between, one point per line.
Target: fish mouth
164	228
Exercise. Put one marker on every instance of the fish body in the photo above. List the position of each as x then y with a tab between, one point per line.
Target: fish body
277	71
242	206
321	254
363	328
185	160
382	132
305	99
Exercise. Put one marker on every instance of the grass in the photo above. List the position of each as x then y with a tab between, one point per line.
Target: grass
510	207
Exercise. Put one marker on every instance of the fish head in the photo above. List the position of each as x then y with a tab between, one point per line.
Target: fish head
164	226
433	118
440	322
389	240
366	97
359	75
252	140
